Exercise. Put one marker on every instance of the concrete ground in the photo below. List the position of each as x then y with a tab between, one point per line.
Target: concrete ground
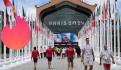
58	64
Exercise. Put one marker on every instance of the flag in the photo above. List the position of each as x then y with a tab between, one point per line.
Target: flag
14	10
79	35
37	28
93	23
119	23
86	26
106	6
1	17
23	12
7	18
7	3
84	30
116	16
98	11
35	25
103	12
93	20
109	9
49	35
28	20
113	9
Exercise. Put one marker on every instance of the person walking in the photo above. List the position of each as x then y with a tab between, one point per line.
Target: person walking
88	55
58	52
49	54
105	58
78	51
63	52
34	56
44	52
41	52
70	56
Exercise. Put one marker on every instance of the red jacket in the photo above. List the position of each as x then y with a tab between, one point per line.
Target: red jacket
70	52
35	54
49	52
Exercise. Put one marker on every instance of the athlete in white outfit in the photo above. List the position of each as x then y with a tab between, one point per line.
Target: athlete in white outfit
88	55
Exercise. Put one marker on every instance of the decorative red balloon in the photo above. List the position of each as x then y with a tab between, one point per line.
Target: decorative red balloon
18	36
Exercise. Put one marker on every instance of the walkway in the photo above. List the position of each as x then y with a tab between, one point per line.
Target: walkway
58	64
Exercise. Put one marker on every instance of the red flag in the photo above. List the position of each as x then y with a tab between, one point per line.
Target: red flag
93	23
7	2
37	28
104	15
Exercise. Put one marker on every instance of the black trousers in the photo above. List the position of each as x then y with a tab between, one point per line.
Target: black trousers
41	54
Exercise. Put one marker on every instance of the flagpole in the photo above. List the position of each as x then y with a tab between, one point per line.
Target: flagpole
97	38
27	46
10	53
104	25
101	31
108	19
19	50
110	28
4	26
101	35
114	23
108	33
118	35
97	33
111	35
30	40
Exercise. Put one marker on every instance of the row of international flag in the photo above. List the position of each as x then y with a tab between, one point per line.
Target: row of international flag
102	13
34	24
13	10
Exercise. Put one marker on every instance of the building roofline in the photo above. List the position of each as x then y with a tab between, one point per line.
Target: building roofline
56	2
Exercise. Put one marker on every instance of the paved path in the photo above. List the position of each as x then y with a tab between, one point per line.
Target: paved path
57	64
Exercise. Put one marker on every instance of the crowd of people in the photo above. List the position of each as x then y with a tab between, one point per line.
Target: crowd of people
86	55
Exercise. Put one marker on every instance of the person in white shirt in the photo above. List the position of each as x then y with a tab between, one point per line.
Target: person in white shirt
88	55
63	52
105	58
41	52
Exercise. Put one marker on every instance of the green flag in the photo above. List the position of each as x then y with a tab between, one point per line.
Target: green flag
98	11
